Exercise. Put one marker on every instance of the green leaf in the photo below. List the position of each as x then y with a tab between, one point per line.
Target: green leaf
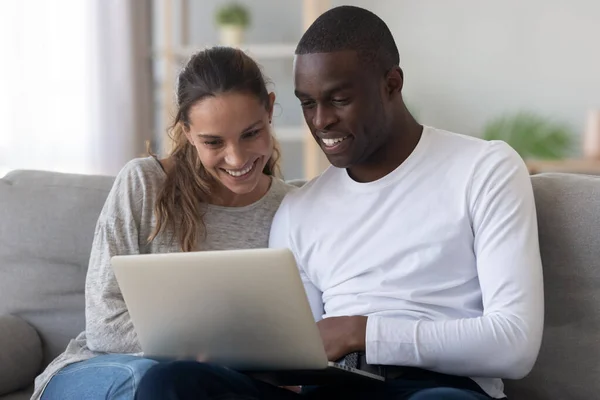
233	14
531	135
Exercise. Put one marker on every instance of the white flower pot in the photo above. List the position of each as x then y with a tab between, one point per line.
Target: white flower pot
231	35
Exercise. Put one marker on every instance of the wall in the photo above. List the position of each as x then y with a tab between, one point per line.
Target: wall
466	61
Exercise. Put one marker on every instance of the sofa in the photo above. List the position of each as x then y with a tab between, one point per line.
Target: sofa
47	224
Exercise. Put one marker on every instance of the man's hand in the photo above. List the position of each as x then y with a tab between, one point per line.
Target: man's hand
295	389
343	335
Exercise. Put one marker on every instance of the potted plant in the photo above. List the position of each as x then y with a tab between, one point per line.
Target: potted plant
233	19
532	136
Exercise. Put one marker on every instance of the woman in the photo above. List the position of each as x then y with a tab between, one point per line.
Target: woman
215	191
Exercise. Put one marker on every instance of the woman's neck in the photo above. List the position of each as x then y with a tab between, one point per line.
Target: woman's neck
226	198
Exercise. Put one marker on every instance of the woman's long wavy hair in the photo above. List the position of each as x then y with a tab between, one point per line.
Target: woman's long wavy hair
188	186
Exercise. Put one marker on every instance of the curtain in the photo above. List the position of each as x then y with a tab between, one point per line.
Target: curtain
74	92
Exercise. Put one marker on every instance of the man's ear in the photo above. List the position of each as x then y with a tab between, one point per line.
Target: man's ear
394	81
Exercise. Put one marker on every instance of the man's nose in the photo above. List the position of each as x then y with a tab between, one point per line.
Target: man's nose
324	117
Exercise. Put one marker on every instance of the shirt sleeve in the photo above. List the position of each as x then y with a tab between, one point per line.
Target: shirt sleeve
280	237
109	328
505	340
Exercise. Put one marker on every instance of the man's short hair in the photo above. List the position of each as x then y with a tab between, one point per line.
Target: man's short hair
351	28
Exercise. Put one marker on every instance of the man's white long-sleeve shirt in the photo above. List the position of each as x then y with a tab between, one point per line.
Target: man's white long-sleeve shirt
441	254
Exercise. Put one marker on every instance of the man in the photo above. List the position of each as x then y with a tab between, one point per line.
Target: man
418	248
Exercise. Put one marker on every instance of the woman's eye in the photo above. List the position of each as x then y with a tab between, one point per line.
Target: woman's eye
251	134
212	143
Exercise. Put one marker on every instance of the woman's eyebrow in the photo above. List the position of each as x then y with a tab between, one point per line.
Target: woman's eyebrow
215	136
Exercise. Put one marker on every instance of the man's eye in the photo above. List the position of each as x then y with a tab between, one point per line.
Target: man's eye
307	104
341	101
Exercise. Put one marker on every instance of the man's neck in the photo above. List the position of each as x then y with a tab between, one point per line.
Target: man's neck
390	155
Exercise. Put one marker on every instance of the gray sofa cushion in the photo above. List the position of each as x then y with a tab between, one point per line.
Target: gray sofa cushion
568	366
20	355
46	235
20	395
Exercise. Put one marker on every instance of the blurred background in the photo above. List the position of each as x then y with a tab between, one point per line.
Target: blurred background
84	84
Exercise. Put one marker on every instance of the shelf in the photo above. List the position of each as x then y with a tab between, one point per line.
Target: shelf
572	166
274	50
291	133
262	51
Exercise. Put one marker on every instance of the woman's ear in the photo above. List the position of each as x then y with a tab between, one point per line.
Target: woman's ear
271	106
186	132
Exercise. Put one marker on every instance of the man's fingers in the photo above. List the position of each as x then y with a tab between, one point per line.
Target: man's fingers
295	389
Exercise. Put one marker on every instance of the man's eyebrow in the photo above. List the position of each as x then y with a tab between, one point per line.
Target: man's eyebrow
214	136
328	91
339	87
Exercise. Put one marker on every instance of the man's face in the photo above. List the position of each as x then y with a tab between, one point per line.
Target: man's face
343	102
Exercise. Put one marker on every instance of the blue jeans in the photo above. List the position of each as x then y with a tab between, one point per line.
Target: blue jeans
111	377
188	380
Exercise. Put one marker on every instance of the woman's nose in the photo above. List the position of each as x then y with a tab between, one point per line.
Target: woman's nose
235	157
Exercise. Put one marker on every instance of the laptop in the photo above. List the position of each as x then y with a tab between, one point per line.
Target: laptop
244	309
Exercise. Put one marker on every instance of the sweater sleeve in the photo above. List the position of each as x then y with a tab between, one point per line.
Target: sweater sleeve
280	238
504	341
109	328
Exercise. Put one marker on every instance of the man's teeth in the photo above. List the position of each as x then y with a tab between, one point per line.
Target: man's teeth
333	142
240	172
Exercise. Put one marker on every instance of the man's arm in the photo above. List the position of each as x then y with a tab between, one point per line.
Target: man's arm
280	237
504	342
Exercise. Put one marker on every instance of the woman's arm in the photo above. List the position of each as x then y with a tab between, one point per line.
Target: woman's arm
109	328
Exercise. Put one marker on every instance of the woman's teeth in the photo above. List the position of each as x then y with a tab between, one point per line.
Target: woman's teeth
333	142
241	171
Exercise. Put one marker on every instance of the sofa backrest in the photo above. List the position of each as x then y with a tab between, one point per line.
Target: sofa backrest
46	231
568	367
48	222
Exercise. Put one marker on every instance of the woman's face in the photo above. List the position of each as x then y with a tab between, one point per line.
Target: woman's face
232	134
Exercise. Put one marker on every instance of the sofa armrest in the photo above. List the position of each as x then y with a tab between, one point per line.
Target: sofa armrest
20	354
